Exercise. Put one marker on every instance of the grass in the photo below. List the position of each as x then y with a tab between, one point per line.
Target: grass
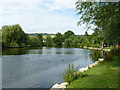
107	48
52	36
104	75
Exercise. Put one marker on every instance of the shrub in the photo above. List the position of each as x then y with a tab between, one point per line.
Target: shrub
108	57
83	75
115	51
23	45
70	73
13	45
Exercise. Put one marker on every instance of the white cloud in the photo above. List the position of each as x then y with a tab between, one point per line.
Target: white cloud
60	4
37	15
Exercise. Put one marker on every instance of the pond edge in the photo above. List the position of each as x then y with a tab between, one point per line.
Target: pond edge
81	70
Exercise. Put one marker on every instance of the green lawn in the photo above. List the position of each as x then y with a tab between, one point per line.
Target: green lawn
104	75
52	36
107	48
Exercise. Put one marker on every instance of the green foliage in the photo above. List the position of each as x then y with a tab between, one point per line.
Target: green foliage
104	75
104	15
86	33
68	43
13	35
93	40
70	74
96	38
58	39
40	37
115	51
49	42
72	41
67	34
108	57
95	54
13	45
22	45
0	36
83	75
33	41
84	41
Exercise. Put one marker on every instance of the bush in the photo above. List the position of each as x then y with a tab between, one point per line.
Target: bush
23	45
13	45
70	73
95	45
83	75
115	51
108	57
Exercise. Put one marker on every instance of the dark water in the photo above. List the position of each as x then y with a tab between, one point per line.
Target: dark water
41	68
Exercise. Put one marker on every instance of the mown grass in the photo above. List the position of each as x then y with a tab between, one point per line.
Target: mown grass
104	75
52	36
107	48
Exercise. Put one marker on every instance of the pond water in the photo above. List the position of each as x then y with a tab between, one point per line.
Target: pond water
41	67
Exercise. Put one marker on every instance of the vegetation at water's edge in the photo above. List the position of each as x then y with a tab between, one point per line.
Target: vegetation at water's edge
71	74
104	75
104	15
14	36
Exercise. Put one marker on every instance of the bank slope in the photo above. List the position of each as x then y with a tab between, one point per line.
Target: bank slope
104	75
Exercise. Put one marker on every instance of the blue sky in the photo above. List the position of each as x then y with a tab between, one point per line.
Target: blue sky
41	16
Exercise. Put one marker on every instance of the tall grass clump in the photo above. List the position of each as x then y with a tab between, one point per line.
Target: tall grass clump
70	73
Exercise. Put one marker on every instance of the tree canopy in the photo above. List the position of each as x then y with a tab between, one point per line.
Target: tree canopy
49	41
58	39
33	42
104	15
68	34
13	35
40	37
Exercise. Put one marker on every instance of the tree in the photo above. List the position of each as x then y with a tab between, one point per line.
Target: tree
13	36
68	42
86	33
49	41
40	37
33	41
58	40
104	15
84	41
67	34
72	42
96	39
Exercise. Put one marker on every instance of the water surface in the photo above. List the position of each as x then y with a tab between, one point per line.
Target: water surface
41	67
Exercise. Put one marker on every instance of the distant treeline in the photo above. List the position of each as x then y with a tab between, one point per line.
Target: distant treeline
46	34
14	36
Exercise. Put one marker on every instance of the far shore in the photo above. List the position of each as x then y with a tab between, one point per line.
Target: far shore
84	47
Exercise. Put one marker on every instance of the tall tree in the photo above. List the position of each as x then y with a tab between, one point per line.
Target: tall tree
13	35
68	43
68	34
58	40
49	41
86	33
104	15
40	37
72	41
33	41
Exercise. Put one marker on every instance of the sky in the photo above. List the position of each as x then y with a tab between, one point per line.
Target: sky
41	16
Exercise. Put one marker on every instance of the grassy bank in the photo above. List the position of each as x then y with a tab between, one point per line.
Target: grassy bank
104	75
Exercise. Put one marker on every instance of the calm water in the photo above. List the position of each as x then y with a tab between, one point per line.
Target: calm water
41	68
